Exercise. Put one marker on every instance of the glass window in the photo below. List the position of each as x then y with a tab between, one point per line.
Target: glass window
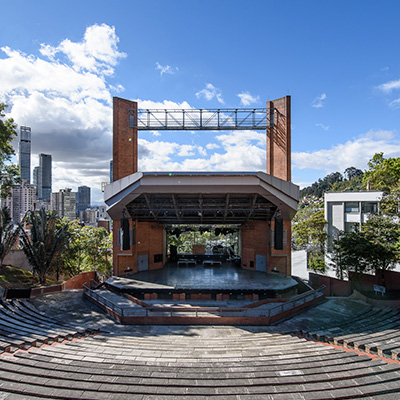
351	207
369	207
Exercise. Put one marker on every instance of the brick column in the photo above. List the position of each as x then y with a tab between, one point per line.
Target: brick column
278	139
125	147
125	163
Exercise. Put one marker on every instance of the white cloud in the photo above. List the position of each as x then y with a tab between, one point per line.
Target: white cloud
186	150
240	151
65	97
324	127
166	69
211	146
210	92
356	152
247	99
319	101
389	86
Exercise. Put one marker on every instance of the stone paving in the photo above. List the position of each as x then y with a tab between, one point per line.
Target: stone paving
196	362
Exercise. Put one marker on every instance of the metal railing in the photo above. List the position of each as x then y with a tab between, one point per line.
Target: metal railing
103	300
207	311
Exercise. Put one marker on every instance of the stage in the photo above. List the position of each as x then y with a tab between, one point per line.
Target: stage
211	280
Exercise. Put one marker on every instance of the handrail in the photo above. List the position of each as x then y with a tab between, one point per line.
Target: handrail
116	308
270	312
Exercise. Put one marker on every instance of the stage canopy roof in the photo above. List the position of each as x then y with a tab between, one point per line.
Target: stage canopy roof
201	197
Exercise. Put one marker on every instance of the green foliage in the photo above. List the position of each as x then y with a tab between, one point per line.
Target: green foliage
88	249
8	235
45	241
316	262
322	185
311	231
9	173
383	173
377	245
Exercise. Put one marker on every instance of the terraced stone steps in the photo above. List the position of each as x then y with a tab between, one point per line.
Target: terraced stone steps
376	332
22	327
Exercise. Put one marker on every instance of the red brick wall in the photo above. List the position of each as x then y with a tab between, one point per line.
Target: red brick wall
334	287
149	240
281	259
254	241
122	260
125	153
279	140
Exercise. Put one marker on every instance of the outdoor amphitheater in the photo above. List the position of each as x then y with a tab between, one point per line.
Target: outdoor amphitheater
223	319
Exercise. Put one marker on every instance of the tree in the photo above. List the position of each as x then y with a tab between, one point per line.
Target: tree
97	244
311	231
382	234
9	173
8	234
384	174
45	241
349	251
352	173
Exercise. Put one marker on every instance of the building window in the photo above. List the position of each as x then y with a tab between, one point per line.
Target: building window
369	207
352	207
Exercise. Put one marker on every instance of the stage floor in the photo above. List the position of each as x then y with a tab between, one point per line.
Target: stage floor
223	277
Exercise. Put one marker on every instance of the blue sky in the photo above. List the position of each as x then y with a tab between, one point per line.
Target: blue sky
61	63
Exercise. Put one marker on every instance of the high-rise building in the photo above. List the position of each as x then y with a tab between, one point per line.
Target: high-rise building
82	199
21	200
35	174
25	153
64	203
43	177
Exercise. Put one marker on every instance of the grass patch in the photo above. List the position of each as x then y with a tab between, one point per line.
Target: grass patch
13	277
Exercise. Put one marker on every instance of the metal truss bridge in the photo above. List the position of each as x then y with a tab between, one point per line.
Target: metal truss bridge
201	119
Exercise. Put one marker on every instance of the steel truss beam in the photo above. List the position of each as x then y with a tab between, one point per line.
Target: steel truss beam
201	119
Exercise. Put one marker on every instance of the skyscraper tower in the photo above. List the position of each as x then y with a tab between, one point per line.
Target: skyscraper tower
44	177
25	153
82	199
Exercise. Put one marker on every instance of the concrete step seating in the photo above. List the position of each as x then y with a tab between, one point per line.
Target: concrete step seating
171	366
375	331
22	326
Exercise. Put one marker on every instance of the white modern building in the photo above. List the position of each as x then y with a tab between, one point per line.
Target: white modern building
64	203
344	210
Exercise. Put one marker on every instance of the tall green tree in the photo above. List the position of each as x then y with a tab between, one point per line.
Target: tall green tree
8	233
9	173
382	234
311	231
44	242
384	174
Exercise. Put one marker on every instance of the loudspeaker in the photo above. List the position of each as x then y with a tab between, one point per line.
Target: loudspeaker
278	234
125	239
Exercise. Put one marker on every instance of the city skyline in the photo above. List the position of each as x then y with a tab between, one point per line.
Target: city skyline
341	68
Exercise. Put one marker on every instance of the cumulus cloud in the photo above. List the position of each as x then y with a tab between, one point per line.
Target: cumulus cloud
319	101
247	99
166	69
65	96
238	151
359	150
209	93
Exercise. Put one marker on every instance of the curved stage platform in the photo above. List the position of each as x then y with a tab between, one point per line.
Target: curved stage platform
209	281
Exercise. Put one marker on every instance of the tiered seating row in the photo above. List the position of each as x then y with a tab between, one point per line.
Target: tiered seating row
257	366
22	326
377	331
